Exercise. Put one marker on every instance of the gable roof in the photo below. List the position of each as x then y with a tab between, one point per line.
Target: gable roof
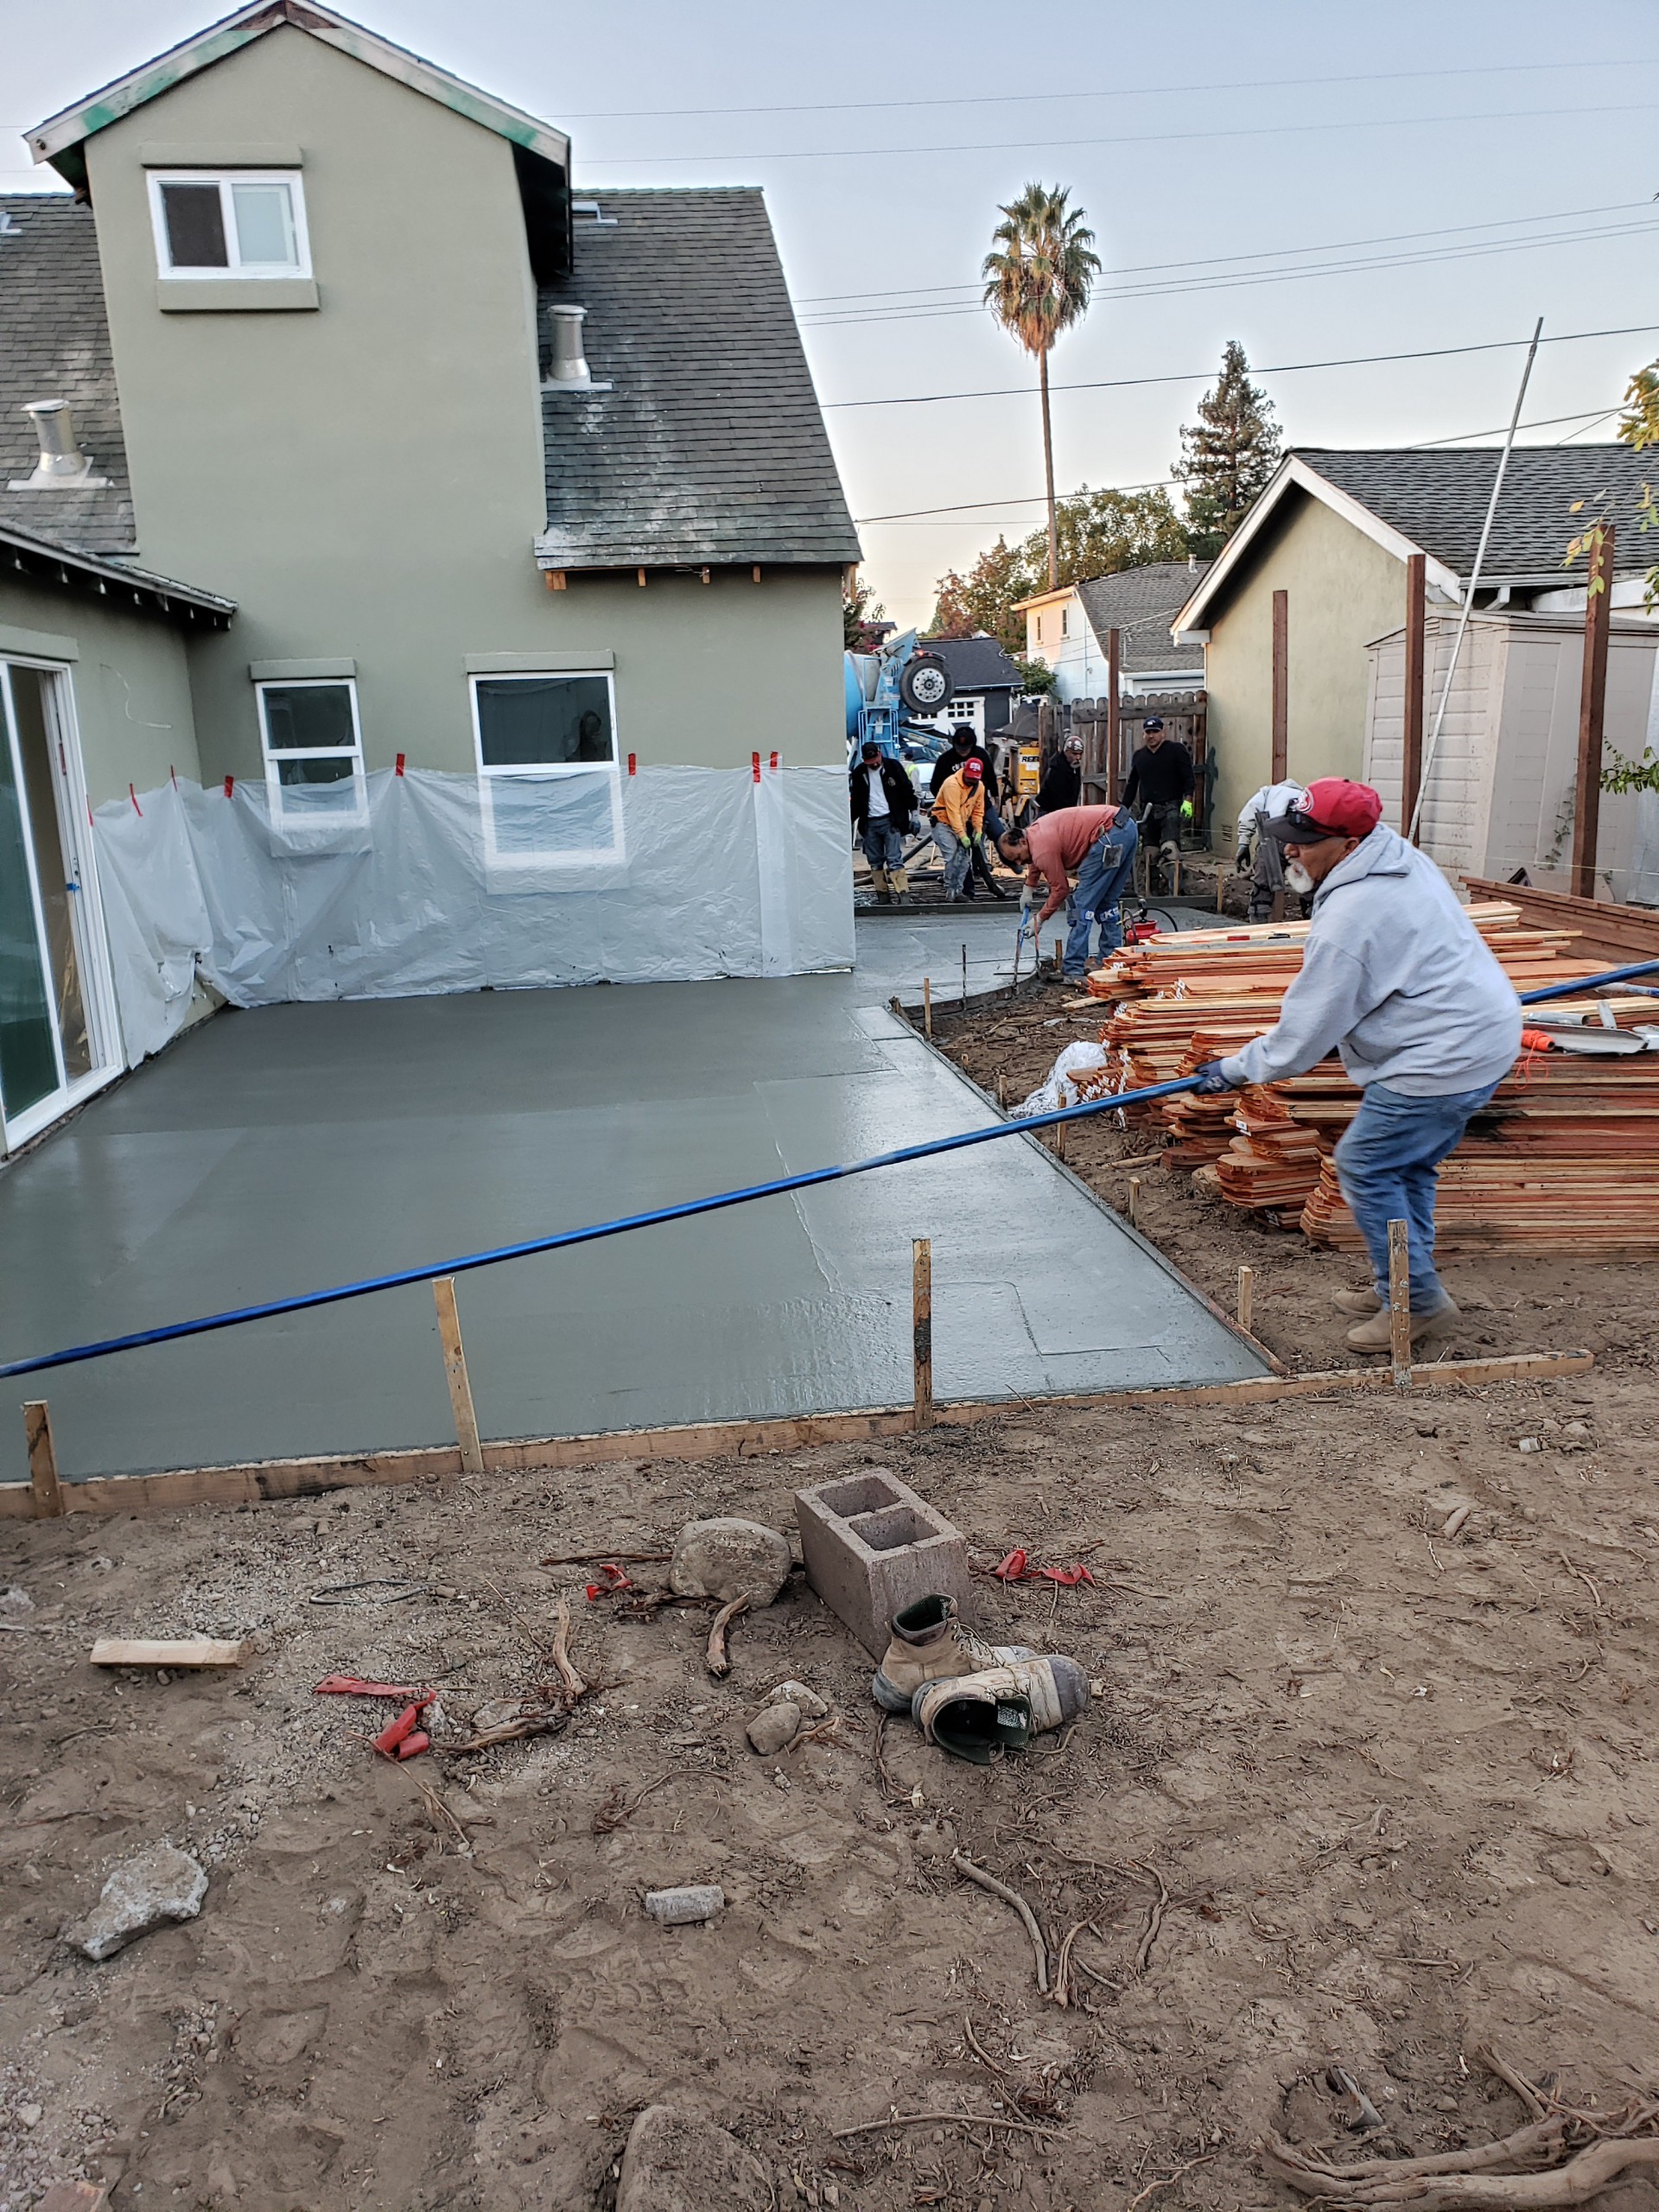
975	664
55	344
1409	501
110	102
1140	604
45	560
709	447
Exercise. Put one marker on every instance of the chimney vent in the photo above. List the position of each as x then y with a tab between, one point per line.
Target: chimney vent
566	365
1193	561
62	466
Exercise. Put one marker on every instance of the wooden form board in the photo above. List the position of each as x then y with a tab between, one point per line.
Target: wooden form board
276	1478
186	1651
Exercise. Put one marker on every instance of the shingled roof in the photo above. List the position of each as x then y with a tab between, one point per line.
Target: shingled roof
709	448
1438	501
1140	604
55	344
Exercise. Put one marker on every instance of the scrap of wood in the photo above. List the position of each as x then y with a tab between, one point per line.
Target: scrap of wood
719	1663
1010	1896
1154	1922
593	1559
186	1651
560	1654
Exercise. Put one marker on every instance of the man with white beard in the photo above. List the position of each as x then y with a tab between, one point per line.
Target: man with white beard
1397	977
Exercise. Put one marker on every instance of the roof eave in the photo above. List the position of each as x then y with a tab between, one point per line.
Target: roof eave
166	593
112	102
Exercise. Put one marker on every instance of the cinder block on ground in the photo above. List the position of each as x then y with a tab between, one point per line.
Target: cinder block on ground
871	1545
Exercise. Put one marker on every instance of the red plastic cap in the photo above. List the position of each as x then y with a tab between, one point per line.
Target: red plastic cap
1340	808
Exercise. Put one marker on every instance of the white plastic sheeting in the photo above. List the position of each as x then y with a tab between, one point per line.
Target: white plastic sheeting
434	883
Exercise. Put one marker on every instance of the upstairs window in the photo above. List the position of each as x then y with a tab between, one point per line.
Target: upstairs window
248	223
313	753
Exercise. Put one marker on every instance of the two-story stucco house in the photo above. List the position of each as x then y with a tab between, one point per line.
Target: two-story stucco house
509	646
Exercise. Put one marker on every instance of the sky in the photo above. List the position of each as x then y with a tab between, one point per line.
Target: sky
1319	182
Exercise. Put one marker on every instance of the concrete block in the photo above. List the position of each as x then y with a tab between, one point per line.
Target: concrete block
872	1545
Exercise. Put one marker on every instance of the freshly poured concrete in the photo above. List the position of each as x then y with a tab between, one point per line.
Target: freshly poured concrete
280	1151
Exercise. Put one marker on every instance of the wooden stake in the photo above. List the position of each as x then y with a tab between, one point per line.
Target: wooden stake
1246	1284
1593	699
927	1006
1112	771
1280	685
48	1498
1135	1198
1411	771
1002	1091
1057	943
1221	885
1059	1140
454	1370
1400	1304
1175	871
921	1331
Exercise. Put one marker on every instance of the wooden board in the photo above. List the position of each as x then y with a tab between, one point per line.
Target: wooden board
186	1651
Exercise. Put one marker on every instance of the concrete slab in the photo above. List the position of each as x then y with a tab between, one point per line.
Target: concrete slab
276	1152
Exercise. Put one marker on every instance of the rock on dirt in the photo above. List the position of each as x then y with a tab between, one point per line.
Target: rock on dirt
676	2163
807	1702
774	1726
679	1908
157	1885
728	1558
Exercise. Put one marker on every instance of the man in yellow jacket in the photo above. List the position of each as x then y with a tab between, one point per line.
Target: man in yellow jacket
959	822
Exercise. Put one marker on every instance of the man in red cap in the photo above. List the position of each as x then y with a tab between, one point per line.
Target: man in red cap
1397	977
959	822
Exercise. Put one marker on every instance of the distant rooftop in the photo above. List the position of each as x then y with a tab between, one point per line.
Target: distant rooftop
1140	604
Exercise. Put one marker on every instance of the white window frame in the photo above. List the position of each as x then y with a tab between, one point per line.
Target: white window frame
549	771
250	271
278	791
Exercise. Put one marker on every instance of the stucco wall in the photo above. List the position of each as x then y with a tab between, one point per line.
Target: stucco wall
365	478
1344	591
128	676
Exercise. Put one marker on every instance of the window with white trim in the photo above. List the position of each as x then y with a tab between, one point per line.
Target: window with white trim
245	222
548	767
314	752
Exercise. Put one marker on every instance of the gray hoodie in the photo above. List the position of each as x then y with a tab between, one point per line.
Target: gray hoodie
1396	977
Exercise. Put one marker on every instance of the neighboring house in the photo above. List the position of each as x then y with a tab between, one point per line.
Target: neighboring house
524	501
1333	532
1067	630
984	683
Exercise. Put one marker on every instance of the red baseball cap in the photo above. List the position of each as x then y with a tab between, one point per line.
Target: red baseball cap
1330	807
972	769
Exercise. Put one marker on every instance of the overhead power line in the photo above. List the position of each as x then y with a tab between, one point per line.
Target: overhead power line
1279	369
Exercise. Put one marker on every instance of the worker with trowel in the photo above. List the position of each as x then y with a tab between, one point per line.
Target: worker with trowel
1397	979
1100	843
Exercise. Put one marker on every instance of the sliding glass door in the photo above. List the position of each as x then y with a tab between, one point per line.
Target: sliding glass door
58	1033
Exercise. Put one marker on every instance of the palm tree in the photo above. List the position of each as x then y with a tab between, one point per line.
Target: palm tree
1038	275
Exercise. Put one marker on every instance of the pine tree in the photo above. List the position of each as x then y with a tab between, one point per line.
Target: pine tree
1227	458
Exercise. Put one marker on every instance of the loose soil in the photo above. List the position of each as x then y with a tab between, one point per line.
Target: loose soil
1397	1787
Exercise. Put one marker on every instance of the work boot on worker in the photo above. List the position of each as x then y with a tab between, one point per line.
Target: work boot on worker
1377	1333
899	884
977	1716
1363	1302
878	878
928	1643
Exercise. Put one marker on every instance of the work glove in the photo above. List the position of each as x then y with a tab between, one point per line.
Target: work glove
964	840
1241	860
1027	899
1210	1079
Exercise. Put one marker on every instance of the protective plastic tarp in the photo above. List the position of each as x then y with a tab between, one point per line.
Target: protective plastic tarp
1061	1089
433	883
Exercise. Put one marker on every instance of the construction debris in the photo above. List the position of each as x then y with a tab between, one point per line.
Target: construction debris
726	1559
185	1651
681	1907
156	1886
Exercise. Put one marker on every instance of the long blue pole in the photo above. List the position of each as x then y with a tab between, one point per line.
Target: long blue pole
306	1300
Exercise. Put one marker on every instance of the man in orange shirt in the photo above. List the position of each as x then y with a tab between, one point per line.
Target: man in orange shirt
1100	843
959	821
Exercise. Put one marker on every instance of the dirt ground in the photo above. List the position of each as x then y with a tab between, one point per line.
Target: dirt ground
1397	1788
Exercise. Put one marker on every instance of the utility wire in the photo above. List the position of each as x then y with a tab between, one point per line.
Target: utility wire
1279	369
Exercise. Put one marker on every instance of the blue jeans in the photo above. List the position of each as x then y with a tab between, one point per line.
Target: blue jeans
1386	1164
883	847
1108	865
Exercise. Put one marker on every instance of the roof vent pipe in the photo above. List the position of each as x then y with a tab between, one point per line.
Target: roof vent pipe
566	365
61	463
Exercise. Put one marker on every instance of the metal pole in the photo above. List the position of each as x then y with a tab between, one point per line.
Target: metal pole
1474	580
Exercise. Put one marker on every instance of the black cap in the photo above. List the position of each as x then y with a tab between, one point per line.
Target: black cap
1152	721
869	747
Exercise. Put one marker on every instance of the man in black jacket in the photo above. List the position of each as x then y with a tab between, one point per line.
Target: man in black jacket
884	806
1063	786
1161	778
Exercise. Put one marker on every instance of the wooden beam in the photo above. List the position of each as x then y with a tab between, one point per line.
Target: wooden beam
1279	770
1592	699
455	1370
556	579
921	1330
46	1497
1113	774
640	574
755	572
1411	772
186	1651
266	1479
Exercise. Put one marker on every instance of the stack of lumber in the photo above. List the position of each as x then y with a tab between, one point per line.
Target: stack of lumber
1273	1164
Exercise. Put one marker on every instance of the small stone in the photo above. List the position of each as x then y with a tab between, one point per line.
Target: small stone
157	1885
728	1558
811	1706
680	1908
16	1600
1352	1916
676	2164
1529	1444
31	2115
774	1726
1445	2104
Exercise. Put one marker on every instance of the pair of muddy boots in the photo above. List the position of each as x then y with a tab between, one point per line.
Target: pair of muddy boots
974	1699
891	886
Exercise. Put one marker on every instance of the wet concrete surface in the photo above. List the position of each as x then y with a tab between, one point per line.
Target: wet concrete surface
279	1151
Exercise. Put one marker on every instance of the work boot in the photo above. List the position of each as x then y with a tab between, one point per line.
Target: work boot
928	1643
898	883
977	1716
1375	1335
1363	1302
879	878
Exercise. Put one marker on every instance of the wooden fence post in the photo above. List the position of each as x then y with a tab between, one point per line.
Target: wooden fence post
1593	699
454	1369
1280	687
921	1329
1411	764
42	1460
1113	773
